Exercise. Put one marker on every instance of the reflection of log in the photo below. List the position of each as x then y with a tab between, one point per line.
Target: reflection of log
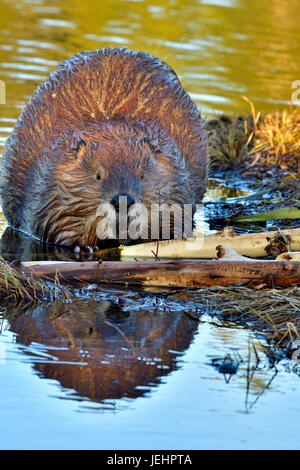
178	273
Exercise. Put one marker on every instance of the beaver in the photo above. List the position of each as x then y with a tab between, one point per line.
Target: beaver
106	123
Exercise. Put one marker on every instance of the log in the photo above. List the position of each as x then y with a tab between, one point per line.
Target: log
177	273
251	244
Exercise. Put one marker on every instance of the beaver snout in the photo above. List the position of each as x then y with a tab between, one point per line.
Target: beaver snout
122	200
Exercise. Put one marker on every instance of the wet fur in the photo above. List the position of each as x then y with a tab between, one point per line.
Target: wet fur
119	113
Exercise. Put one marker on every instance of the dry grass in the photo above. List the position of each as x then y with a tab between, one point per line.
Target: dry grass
276	311
278	135
14	286
234	140
229	140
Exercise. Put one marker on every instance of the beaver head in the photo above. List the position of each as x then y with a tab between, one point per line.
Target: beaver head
95	166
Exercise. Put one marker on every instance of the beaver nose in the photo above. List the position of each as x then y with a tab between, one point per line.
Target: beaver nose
115	201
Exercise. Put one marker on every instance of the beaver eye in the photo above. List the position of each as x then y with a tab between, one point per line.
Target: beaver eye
142	177
98	176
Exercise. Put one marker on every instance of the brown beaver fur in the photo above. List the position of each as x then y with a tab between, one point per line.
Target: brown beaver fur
106	122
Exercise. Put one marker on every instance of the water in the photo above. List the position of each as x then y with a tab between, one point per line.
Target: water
111	374
128	370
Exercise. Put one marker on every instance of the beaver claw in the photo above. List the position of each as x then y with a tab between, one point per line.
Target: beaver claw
86	249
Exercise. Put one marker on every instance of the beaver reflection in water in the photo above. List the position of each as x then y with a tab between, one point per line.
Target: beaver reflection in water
106	123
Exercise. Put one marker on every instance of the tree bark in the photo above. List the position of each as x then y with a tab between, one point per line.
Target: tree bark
178	273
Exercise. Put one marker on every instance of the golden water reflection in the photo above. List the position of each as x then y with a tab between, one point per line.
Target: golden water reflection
221	50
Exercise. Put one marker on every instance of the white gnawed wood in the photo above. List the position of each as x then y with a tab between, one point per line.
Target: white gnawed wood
253	245
225	253
289	256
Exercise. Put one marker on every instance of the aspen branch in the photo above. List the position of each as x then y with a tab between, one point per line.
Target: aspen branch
251	244
178	273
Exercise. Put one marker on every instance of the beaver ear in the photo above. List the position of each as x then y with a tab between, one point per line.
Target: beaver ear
78	144
80	148
153	148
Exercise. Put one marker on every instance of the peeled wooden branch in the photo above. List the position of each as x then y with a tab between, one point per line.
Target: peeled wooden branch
250	244
178	273
289	256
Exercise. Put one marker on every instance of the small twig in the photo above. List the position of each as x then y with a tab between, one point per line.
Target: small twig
155	254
